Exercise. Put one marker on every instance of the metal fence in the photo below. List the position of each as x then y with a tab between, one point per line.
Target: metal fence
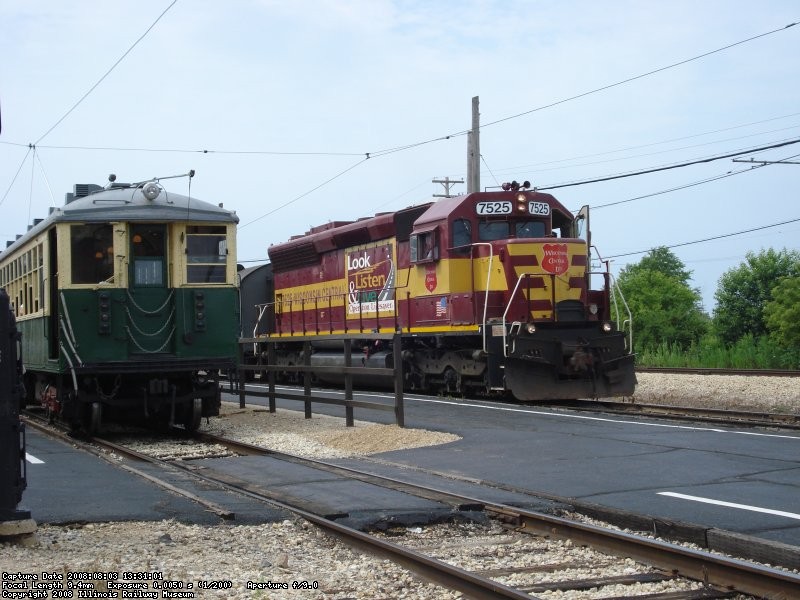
270	369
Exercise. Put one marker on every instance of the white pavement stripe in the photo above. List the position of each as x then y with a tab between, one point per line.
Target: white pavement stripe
769	511
33	460
554	415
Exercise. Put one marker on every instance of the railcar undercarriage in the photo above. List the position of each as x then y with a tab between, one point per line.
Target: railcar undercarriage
91	397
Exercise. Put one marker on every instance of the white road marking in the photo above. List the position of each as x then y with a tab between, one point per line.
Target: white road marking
33	460
769	511
554	415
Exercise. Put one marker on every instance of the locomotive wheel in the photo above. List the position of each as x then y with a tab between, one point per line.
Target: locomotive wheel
193	418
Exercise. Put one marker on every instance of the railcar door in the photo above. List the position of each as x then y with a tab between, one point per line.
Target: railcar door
151	303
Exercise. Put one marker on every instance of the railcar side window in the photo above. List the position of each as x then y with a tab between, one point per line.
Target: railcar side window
206	253
493	230
92	253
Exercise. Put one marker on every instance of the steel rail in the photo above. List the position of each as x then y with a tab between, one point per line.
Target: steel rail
719	571
690	413
470	584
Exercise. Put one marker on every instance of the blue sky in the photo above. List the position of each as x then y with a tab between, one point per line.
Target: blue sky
289	97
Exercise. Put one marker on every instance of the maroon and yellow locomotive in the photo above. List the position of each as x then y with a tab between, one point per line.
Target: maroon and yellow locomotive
491	292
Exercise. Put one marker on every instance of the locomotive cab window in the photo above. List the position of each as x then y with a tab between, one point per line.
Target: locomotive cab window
424	247
206	254
529	229
462	234
493	230
92	248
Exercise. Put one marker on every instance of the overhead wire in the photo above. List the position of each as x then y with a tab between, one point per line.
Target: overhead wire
669	141
672	166
303	195
693	184
581	95
716	237
107	73
11	185
632	156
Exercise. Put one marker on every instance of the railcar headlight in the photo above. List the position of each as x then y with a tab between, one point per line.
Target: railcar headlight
531	328
607	327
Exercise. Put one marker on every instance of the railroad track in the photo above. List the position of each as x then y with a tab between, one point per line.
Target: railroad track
685	413
495	561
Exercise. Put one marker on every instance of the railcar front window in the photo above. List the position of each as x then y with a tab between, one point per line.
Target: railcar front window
206	254
149	250
92	253
493	230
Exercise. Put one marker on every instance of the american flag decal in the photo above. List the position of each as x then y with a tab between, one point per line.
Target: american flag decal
441	308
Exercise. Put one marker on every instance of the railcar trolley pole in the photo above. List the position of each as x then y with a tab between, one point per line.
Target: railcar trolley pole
12	432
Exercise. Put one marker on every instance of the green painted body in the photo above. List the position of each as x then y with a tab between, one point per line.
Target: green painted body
145	325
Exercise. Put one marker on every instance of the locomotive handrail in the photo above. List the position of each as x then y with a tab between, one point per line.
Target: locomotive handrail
615	286
505	312
629	320
488	280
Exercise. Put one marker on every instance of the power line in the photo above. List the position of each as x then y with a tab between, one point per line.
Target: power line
11	185
582	95
654	153
701	182
303	195
199	151
668	167
717	237
678	139
121	58
673	65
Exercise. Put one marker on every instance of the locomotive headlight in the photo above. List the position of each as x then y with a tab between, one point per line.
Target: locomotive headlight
593	309
531	327
606	327
521	201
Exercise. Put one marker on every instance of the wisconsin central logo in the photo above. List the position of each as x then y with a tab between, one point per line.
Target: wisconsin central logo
555	259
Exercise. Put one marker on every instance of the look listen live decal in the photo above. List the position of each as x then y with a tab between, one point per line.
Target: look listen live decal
370	280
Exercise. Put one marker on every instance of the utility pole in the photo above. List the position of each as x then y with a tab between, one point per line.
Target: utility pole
446	182
474	151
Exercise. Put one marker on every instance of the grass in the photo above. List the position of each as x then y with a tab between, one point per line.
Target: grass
710	352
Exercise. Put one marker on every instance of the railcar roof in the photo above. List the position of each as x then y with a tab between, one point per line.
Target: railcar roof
122	202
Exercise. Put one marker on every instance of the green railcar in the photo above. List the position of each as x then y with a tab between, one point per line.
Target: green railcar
127	301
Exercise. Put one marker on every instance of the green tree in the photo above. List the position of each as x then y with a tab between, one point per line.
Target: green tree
663	260
743	292
782	312
665	309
